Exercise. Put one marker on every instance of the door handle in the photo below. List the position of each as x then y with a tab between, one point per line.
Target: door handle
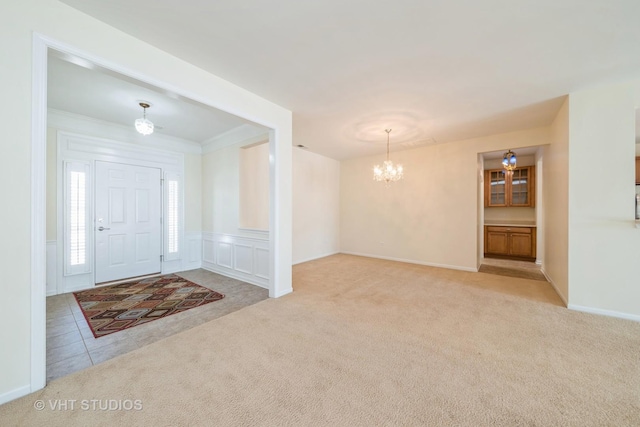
101	228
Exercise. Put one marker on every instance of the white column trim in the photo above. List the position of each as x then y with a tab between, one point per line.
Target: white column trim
38	216
280	213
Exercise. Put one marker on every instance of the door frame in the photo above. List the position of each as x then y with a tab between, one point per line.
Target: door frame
233	100
88	149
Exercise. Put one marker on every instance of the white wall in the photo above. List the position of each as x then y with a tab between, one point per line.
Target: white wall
556	204
540	208
316	206
192	181
65	25
52	184
604	245
429	217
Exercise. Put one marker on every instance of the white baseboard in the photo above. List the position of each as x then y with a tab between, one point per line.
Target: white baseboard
14	394
410	261
555	288
316	257
229	273
282	293
602	312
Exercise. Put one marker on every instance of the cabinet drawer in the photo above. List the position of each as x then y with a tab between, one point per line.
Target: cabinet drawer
523	230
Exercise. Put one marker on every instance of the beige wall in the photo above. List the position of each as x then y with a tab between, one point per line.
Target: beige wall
192	193
18	22
316	189
254	186
556	204
221	192
604	245
432	215
316	206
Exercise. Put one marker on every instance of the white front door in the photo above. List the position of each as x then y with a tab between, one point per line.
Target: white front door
128	229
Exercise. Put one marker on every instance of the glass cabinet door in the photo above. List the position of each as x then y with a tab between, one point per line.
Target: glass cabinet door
520	187
497	188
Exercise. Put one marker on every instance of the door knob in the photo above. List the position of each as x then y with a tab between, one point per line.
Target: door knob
101	228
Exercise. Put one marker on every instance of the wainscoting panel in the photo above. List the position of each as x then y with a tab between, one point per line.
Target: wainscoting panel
262	263
224	253
193	255
243	258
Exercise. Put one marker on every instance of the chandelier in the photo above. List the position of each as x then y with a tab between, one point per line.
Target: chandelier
143	125
387	172
509	161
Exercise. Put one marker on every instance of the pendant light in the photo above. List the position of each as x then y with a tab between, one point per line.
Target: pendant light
509	161
143	125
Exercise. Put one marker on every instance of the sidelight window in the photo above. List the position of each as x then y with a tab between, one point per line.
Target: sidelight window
77	217
173	223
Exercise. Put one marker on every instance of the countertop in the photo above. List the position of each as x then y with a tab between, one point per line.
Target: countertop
509	223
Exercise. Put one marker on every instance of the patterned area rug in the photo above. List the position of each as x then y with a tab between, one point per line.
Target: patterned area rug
113	308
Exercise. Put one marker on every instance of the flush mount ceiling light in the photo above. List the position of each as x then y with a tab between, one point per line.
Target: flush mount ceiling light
387	172
143	125
509	161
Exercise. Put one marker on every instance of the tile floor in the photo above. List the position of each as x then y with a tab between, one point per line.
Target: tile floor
511	263
71	346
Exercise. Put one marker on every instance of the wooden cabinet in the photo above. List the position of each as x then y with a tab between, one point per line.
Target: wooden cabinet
511	242
638	170
515	188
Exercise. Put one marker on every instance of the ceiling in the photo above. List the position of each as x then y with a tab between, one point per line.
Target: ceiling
78	87
432	71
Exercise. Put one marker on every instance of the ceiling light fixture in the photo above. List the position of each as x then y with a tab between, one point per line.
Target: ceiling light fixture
143	125
509	161
387	172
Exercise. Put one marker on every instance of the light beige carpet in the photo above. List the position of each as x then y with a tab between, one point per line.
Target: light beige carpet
368	342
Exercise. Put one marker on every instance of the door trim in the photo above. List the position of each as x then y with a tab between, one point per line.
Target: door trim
83	148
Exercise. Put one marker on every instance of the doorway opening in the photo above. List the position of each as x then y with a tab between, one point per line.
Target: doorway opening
510	207
49	50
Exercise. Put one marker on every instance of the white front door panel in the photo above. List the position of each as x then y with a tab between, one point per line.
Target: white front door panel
127	223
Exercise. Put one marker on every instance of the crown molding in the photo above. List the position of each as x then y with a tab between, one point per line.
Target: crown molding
244	133
77	123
